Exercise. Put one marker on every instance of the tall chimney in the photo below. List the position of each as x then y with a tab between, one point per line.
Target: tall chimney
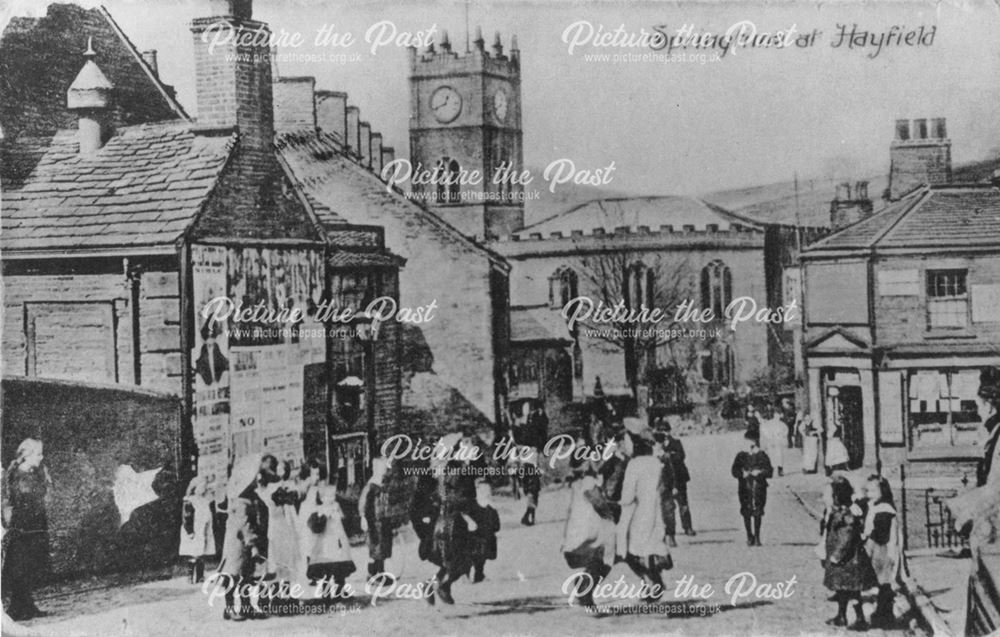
331	113
233	72
90	96
919	155
845	209
365	135
377	153
353	144
388	156
149	56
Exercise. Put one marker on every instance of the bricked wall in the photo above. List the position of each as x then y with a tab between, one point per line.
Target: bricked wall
88	432
914	163
456	346
233	79
903	319
331	113
294	107
70	333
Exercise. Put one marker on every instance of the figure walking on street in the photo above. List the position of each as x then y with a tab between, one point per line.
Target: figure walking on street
533	433
246	533
453	540
752	469
773	438
375	519
674	452
485	536
26	540
881	537
197	540
848	571
645	550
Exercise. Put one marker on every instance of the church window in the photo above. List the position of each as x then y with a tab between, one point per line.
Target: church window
563	287
716	287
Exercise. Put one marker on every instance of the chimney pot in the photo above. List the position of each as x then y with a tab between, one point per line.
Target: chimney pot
920	128
939	128
149	56
902	129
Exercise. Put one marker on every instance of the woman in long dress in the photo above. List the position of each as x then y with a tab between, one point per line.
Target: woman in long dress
645	537
283	552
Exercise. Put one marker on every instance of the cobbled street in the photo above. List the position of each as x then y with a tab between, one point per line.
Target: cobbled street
522	592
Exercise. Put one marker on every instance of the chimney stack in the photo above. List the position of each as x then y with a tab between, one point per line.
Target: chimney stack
233	72
365	135
919	155
331	114
845	209
353	141
376	163
388	156
149	56
90	96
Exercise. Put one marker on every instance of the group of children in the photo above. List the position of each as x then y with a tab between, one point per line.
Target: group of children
279	528
860	549
290	530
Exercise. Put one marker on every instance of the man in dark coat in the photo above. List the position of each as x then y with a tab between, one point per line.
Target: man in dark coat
533	433
752	469
674	451
26	544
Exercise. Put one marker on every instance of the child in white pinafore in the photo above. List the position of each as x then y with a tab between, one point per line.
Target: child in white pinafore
197	539
325	545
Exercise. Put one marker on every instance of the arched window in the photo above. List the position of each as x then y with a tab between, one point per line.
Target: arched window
716	288
563	285
453	185
640	285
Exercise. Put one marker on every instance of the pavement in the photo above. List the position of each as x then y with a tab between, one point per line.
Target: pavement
731	589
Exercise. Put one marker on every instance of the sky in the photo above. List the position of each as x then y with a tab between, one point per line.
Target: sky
756	116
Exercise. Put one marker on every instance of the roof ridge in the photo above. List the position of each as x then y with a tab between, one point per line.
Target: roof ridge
918	199
157	82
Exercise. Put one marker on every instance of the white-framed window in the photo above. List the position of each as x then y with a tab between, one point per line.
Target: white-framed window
947	299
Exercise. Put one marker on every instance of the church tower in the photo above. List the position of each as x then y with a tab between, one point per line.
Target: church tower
465	117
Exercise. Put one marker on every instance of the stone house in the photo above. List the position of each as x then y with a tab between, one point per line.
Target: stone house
901	312
124	218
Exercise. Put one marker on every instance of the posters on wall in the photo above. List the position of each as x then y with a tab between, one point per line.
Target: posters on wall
210	358
249	390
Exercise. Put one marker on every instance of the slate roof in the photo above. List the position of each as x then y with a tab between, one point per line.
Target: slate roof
40	57
534	324
651	212
143	188
948	216
325	172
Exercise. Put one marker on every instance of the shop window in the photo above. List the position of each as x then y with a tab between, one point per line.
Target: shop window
942	408
947	299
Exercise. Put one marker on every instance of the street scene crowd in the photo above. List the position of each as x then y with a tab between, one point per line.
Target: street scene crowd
279	528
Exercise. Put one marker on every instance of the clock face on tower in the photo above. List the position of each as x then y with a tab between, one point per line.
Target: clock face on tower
446	104
500	105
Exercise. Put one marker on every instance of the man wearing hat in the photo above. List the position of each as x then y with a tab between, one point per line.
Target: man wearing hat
673	451
752	469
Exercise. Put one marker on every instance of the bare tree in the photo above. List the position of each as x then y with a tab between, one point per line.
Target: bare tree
637	281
